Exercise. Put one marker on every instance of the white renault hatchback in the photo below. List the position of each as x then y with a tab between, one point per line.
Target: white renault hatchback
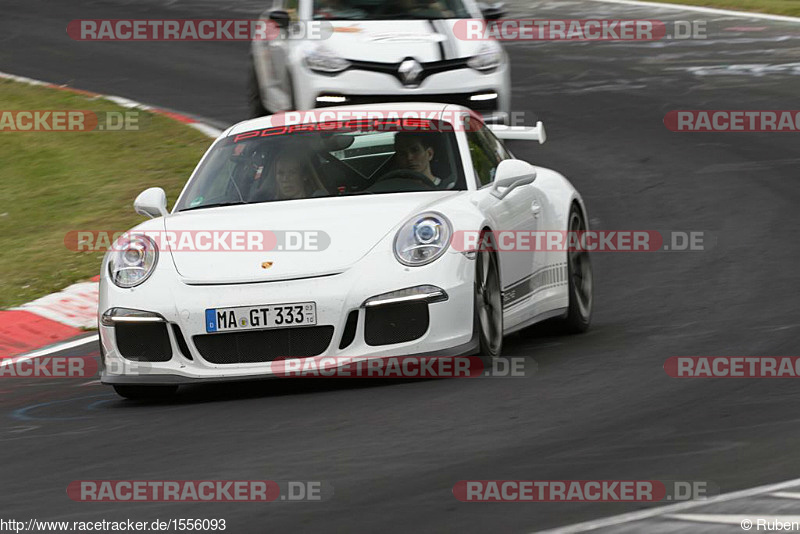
374	51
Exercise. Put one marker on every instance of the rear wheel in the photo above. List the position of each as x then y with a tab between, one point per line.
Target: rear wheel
290	83
145	392
488	300
255	103
581	283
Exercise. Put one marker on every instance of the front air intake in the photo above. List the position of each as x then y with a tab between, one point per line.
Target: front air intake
349	333
257	346
143	342
396	323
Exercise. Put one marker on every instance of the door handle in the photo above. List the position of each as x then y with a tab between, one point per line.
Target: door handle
535	208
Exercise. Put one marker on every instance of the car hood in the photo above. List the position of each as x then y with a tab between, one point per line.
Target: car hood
346	229
391	41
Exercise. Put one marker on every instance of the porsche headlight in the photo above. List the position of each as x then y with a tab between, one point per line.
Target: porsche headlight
487	59
321	59
422	239
132	261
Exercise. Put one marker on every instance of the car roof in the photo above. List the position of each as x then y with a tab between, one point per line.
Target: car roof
348	113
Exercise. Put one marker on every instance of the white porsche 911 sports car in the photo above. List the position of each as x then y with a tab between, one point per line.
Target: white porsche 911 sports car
388	272
378	51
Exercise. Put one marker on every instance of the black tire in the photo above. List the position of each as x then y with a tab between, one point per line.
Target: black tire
581	281
145	392
292	101
102	361
488	306
254	101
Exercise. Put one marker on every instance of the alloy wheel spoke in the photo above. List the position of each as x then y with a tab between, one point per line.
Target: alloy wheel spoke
484	270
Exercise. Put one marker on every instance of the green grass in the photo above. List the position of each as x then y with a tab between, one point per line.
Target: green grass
776	7
54	182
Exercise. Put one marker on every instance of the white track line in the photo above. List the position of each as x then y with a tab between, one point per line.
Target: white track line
733	519
710	10
58	347
665	510
786	495
22	79
629	517
209	131
199	125
90	383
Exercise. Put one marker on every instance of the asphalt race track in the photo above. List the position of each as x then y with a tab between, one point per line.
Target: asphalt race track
600	405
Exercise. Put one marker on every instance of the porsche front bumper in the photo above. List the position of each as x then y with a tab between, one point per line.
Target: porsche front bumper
181	351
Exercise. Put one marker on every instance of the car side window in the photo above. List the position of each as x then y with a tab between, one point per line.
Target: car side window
499	148
485	150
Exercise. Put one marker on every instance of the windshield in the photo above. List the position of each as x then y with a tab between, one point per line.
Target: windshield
391	10
327	159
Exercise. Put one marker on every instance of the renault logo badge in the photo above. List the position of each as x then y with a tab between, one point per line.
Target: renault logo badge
409	71
266	265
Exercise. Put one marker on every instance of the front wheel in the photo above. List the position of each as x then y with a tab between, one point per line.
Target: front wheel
488	300
145	392
581	283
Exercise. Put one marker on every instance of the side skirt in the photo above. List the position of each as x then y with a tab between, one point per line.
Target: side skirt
558	312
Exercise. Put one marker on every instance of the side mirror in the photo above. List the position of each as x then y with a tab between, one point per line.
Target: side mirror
494	11
510	174
151	203
279	17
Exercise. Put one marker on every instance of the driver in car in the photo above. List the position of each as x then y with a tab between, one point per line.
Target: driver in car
414	151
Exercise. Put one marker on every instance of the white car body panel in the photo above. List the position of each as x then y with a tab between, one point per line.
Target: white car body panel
348	244
358	264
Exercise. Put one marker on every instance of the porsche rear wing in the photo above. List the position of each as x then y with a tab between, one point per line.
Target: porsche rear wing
523	133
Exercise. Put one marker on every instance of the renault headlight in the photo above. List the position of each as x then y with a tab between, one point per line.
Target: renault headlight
321	59
422	239
132	260
486	60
